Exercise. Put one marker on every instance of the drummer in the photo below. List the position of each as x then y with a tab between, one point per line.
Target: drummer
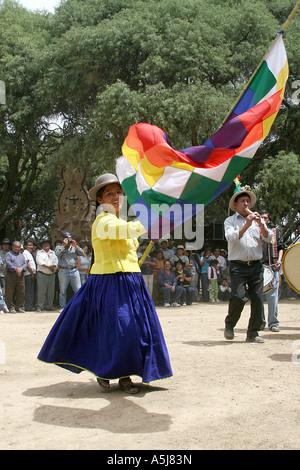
272	257
244	232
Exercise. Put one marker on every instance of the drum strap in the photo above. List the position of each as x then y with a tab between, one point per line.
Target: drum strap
274	247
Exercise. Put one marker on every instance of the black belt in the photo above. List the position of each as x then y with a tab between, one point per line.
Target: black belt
69	268
249	263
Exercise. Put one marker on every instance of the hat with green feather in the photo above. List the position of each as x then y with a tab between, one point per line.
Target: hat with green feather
241	190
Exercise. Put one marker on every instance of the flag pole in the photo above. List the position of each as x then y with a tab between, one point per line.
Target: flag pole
291	16
145	254
281	31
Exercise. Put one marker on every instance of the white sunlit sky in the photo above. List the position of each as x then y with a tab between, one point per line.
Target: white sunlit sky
48	5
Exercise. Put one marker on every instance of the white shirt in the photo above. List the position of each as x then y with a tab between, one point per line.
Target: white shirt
221	261
29	257
224	288
249	246
212	273
49	258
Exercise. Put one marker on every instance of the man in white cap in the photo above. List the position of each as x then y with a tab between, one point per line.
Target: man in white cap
168	254
179	256
245	232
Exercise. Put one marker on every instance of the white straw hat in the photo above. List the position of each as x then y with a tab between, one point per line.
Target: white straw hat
241	190
103	180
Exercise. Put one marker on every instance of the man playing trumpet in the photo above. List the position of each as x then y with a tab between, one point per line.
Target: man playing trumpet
245	232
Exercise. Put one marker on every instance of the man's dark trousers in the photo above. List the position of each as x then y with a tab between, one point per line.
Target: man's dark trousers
30	293
14	290
246	279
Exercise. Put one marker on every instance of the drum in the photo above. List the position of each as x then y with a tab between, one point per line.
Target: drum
268	279
291	266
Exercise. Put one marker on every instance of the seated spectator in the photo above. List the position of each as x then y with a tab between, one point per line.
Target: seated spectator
224	290
167	285
183	278
195	272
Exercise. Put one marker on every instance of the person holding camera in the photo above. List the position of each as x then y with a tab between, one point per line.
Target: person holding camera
67	254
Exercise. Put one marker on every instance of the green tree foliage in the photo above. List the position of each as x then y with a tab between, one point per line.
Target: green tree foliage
278	190
102	65
26	142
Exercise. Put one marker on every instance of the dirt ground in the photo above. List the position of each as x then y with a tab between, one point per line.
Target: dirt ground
223	395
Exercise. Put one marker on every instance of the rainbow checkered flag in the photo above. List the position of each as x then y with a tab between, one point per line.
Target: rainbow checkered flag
157	179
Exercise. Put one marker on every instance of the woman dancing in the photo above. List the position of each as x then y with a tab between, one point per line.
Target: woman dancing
110	326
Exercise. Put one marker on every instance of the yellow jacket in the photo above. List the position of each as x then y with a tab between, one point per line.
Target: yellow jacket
115	243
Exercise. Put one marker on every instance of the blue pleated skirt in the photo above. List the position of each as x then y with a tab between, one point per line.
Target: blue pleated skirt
110	328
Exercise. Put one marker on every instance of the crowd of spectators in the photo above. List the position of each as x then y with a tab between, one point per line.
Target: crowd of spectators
176	276
36	277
